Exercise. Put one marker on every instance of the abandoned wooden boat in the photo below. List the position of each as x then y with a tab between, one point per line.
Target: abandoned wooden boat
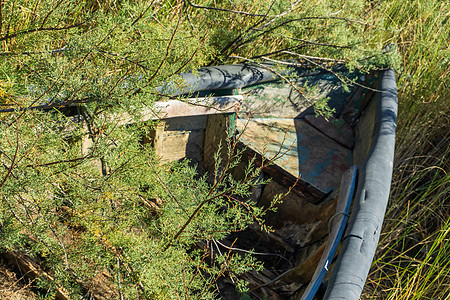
335	171
325	163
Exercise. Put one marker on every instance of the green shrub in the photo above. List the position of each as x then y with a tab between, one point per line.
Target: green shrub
111	208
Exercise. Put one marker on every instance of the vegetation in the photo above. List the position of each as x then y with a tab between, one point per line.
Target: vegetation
110	208
413	257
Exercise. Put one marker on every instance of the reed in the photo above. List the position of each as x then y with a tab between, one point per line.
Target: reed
413	257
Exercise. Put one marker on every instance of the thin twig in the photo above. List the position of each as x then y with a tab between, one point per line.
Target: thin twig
314	57
13	35
253	252
349	20
318	43
50	12
165	186
142	13
13	162
168	48
226	10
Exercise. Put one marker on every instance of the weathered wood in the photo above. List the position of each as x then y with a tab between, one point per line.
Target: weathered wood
342	134
301	221
217	133
284	178
180	131
276	99
186	123
263	283
178	138
276	243
155	136
299	149
303	272
339	221
176	145
190	107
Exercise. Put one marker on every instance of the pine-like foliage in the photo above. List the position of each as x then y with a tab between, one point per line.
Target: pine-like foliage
79	190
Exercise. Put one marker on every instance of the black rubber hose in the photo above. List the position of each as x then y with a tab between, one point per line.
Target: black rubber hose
361	238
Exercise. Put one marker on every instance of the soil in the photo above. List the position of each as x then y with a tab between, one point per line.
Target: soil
12	286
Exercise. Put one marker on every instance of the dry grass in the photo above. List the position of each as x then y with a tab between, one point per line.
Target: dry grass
413	259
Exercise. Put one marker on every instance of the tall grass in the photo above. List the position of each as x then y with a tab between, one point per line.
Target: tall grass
413	259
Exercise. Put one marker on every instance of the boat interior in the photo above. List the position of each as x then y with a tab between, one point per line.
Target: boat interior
309	155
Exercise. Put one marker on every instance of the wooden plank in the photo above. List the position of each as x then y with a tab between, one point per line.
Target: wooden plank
284	178
178	138
303	272
194	107
276	99
305	222
155	136
343	134
339	221
299	150
176	145
190	107
217	132
281	100
186	123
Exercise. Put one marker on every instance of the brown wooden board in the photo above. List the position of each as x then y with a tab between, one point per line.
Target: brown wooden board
217	131
334	129
297	149
184	108
284	178
339	221
178	138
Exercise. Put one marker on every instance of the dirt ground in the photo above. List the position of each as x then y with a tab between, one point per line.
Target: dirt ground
12	287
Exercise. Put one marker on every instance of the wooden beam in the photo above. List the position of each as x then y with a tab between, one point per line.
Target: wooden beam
218	129
190	107
286	179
